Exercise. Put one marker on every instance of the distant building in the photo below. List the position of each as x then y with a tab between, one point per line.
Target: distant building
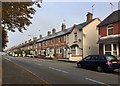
109	34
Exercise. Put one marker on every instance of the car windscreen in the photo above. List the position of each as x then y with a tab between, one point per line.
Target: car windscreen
110	57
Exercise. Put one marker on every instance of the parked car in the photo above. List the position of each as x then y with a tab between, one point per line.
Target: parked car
99	62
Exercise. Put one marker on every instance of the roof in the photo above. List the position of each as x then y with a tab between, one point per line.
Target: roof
60	33
112	18
67	31
80	26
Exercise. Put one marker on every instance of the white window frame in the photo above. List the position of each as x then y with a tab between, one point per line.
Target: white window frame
64	37
75	50
59	39
46	43
117	48
107	51
58	50
109	29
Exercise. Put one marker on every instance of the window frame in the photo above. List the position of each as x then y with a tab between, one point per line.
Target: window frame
75	36
109	28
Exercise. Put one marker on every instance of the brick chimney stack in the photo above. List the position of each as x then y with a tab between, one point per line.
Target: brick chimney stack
53	31
34	38
49	33
40	36
29	40
25	42
89	16
63	26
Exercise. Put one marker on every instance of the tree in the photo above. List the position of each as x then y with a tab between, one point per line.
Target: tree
4	38
16	16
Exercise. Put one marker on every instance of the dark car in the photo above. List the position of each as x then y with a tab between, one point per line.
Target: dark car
99	62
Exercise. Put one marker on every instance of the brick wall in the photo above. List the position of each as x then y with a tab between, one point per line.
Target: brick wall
103	29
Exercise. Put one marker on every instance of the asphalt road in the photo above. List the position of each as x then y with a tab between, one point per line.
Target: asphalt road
57	72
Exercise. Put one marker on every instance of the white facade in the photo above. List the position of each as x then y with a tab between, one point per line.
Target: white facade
90	38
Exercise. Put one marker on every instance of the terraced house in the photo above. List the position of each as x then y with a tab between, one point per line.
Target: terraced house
70	43
109	34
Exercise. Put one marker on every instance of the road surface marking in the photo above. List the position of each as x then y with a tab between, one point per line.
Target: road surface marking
58	70
37	64
96	81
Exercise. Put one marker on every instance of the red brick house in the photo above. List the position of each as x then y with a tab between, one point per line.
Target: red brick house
109	34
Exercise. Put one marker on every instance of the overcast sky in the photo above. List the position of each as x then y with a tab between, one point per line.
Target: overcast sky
53	14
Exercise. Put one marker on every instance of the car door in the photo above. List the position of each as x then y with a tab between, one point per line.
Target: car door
94	61
86	62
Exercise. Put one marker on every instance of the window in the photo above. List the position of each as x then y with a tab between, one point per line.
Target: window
109	57
46	42
73	50
59	50
94	57
64	37
59	40
43	43
111	49
87	58
110	29
75	36
101	58
115	49
108	49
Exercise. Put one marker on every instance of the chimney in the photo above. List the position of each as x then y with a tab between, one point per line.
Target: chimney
34	38
53	31
49	33
40	36
29	40
63	26
25	42
89	16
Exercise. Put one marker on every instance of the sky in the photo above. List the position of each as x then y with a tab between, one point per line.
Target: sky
53	14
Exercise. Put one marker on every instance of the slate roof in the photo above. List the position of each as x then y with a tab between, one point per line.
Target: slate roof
82	25
60	33
67	31
112	18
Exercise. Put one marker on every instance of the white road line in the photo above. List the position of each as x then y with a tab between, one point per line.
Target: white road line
96	81
37	64
58	70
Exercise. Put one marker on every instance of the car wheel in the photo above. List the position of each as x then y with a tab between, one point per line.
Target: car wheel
99	69
79	65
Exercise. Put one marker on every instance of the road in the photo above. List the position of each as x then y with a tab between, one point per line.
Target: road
57	72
